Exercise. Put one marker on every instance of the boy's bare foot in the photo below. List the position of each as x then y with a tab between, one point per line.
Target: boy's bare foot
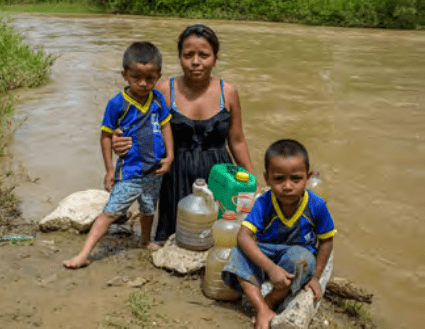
151	246
76	263
263	319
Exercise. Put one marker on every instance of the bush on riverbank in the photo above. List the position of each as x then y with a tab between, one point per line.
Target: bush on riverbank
400	14
22	66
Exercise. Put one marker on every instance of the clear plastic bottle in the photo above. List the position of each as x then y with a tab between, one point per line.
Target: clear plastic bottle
196	214
225	233
317	185
243	204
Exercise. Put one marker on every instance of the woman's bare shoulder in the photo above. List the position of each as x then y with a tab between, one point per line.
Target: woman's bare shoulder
164	87
229	89
231	96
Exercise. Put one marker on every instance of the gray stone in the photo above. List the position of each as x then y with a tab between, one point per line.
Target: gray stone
175	258
299	310
78	210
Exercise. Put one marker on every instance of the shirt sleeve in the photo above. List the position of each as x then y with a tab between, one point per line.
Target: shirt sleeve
164	112
254	220
325	225
110	118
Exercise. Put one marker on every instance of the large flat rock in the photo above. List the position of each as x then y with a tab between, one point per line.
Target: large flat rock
78	210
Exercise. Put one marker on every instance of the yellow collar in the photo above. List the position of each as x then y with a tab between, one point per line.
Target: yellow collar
142	108
289	222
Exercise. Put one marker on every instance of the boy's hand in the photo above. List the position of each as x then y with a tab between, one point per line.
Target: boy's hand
164	166
314	285
109	181
280	278
120	145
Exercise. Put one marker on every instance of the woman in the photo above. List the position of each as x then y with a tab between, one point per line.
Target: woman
206	113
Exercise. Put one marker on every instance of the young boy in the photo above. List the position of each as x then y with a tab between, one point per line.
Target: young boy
141	113
278	239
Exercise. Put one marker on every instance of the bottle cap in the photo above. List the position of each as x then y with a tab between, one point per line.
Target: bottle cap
229	214
242	176
245	209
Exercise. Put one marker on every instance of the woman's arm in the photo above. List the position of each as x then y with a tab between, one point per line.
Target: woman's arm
236	138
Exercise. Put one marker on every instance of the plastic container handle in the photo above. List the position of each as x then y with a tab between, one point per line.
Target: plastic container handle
242	197
208	196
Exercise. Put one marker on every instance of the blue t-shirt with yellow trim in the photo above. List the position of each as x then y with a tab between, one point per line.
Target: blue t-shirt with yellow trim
143	124
310	222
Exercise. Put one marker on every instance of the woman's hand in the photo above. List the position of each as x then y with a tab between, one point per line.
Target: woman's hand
120	145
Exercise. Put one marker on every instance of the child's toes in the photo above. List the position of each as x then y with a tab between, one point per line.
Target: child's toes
76	263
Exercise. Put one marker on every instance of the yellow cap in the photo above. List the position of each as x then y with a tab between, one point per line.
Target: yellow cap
242	176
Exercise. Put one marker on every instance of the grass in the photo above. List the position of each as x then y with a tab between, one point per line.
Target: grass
140	306
78	7
22	65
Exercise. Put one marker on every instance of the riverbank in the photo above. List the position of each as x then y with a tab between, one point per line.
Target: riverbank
22	66
392	14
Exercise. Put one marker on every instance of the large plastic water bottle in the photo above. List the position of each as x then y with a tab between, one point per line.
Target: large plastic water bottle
196	214
317	185
225	233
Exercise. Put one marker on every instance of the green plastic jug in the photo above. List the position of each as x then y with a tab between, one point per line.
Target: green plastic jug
227	180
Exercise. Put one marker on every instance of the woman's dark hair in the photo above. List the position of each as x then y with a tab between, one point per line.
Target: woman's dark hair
286	148
142	52
201	31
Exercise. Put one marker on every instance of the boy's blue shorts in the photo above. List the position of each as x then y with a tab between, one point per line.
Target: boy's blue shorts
293	259
124	193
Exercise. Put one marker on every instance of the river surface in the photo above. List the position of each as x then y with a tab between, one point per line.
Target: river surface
354	97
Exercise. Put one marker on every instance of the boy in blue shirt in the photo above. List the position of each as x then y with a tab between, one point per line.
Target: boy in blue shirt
142	114
286	238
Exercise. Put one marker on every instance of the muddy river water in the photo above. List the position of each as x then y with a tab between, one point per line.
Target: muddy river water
354	97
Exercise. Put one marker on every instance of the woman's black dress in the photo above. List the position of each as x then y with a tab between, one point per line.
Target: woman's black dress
198	145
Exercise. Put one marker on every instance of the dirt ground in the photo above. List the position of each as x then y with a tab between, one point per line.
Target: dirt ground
120	289
37	291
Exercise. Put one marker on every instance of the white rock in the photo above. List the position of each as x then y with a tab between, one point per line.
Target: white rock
178	259
300	309
78	210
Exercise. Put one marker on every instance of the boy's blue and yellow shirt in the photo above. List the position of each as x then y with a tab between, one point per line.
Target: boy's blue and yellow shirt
143	124
312	221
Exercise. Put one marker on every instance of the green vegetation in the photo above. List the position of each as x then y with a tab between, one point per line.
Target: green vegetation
142	315
22	66
400	14
53	7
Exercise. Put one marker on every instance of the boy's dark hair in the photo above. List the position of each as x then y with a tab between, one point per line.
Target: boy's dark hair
286	148
142	52
202	31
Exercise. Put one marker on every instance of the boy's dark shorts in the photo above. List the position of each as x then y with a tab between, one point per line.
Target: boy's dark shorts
294	259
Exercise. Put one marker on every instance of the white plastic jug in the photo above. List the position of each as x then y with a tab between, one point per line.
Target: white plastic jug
196	214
